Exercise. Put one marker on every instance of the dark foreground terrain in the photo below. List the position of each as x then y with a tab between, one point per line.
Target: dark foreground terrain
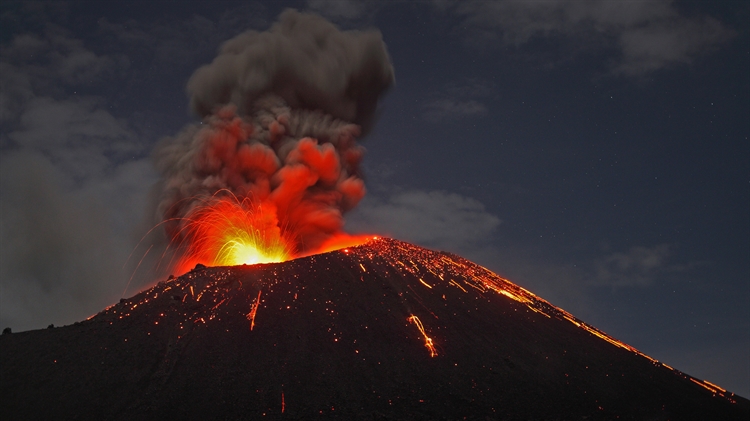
382	331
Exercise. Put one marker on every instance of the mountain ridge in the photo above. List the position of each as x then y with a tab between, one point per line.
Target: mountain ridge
384	330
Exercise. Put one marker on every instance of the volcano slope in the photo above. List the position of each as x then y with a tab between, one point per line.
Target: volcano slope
386	330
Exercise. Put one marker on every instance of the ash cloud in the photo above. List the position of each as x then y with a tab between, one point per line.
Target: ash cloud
281	113
306	61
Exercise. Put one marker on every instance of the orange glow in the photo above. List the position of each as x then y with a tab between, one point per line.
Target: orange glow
229	232
714	386
427	340
253	311
340	241
454	283
703	385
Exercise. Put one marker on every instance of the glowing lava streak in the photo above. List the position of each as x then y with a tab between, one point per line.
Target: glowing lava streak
228	232
254	311
427	340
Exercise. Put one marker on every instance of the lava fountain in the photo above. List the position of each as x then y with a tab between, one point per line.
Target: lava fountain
229	231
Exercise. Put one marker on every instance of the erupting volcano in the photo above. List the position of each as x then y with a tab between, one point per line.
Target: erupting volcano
279	326
385	330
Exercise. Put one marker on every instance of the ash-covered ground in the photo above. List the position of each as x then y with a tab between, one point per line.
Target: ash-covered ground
386	330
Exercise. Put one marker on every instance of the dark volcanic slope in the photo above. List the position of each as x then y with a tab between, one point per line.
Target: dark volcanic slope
340	335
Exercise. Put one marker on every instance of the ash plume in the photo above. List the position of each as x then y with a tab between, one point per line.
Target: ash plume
305	60
281	110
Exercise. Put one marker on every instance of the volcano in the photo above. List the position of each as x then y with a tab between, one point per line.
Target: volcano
385	330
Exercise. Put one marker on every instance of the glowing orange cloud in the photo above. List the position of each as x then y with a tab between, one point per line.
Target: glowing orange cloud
227	231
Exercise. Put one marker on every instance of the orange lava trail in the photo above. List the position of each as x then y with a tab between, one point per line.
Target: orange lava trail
253	310
217	305
703	385
427	340
425	283
717	387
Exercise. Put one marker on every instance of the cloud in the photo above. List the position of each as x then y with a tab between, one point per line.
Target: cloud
304	59
458	100
572	285
639	266
657	45
434	219
165	44
168	46
78	136
63	247
442	109
645	35
340	9
73	183
347	13
49	63
470	88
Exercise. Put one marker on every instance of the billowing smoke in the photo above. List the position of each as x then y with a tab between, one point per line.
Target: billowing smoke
281	110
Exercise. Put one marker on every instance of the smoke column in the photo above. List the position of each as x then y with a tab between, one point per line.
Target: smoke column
281	110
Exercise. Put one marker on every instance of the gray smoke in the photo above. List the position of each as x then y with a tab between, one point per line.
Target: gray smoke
305	60
281	113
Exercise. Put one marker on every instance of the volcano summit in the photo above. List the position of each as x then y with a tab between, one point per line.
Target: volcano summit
385	330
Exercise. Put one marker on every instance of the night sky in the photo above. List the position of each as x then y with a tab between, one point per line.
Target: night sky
595	153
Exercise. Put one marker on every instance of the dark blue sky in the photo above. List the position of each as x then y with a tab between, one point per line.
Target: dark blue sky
595	153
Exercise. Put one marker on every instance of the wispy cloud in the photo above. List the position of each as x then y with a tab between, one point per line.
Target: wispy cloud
645	35
639	266
170	44
441	109
338	10
435	219
73	182
458	100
